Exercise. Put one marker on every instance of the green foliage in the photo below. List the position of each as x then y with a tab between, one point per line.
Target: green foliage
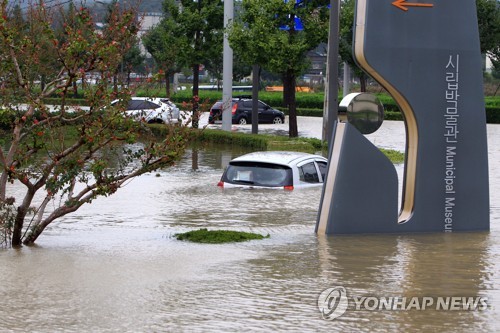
197	28
273	142
488	14
133	59
394	156
7	217
311	104
189	24
218	236
234	138
67	155
163	46
7	118
493	115
267	36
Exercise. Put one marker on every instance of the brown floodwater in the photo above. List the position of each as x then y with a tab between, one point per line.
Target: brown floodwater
115	265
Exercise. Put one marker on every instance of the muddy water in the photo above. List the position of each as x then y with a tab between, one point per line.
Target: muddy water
115	266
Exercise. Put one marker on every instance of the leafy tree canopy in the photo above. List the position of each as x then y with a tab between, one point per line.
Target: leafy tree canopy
58	158
269	35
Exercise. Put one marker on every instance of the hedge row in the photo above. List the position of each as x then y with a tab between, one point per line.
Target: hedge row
303	100
255	141
275	99
492	113
307	104
268	142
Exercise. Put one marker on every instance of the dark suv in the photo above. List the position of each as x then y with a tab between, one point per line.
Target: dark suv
242	112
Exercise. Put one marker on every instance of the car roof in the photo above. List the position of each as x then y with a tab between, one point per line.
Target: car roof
149	99
146	98
238	99
277	157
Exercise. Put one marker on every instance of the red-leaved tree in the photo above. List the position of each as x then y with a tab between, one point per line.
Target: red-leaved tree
66	155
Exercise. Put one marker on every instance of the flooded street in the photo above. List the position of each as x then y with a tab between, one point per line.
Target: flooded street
115	265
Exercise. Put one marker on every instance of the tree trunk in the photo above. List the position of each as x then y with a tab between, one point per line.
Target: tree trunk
43	80
167	84
75	89
17	231
33	235
286	94
362	83
289	88
115	83
196	84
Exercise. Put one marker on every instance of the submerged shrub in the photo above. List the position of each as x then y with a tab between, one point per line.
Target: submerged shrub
218	236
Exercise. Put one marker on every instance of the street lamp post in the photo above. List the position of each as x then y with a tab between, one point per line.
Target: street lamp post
227	72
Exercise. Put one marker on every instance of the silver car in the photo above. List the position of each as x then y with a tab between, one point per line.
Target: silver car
275	169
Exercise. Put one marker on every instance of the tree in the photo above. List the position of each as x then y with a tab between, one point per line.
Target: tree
488	13
214	61
346	28
164	48
132	59
241	69
488	16
269	36
198	24
57	160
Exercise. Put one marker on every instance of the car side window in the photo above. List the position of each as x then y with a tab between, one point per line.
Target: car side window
247	104
322	169
308	173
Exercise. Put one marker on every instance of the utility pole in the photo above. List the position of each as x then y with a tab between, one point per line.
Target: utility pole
227	71
347	79
330	113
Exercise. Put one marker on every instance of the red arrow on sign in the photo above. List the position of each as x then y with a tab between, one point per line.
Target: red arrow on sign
402	4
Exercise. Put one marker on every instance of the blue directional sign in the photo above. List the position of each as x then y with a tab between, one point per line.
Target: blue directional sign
298	22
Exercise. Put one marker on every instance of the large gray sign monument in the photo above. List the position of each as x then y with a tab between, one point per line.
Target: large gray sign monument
426	54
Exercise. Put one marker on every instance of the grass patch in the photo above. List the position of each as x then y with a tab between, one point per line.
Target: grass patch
291	145
218	236
275	142
261	141
395	156
256	141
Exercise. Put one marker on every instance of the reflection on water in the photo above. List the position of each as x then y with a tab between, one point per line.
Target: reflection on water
115	266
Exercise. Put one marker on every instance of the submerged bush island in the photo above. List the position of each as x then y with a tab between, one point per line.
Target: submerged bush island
218	236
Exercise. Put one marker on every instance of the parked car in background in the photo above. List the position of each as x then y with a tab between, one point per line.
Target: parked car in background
241	109
152	110
275	169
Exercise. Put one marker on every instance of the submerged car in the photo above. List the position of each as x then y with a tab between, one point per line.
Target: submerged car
242	112
152	110
275	169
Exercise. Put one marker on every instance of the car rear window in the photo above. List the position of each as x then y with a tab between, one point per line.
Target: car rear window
141	105
258	174
217	105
